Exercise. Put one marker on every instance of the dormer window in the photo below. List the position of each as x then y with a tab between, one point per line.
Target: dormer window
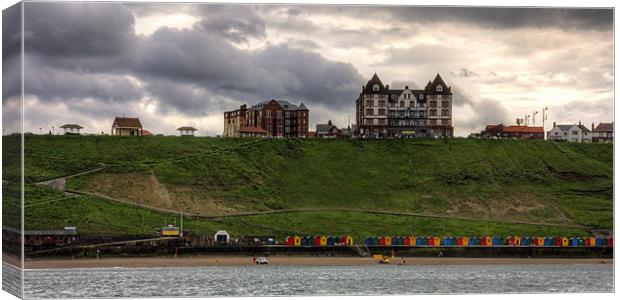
439	88
375	88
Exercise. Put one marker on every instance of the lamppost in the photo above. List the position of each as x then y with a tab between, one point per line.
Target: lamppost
544	118
52	130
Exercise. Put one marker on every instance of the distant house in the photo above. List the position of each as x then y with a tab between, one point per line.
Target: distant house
187	130
71	128
252	132
570	133
146	133
603	133
328	130
502	131
127	126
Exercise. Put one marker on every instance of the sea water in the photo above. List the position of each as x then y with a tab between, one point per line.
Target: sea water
316	280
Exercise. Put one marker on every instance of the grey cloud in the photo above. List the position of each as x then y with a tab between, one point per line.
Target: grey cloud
77	29
511	17
487	111
462	72
235	23
11	48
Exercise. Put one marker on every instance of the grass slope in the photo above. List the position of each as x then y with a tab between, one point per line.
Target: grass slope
534	181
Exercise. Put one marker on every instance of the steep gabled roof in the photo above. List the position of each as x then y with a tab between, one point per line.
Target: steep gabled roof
302	106
127	122
374	80
609	127
437	81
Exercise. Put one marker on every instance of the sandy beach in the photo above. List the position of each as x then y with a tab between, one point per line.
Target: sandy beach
202	261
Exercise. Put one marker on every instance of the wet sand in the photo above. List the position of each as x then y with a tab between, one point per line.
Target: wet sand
202	261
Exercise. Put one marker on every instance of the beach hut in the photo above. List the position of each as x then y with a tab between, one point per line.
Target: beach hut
290	241
488	241
419	241
407	241
540	241
348	241
580	242
564	241
424	241
610	242
497	241
588	242
331	241
394	241
524	241
436	241
323	241
558	241
388	241
296	240
382	241
605	242
465	241
317	240
598	242
368	241
412	241
430	241
304	241
547	241
221	237
375	241
459	241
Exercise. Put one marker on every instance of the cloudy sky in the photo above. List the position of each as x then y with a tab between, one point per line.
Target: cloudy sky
184	64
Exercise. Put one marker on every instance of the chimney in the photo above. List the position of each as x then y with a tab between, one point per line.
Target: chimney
553	124
592	126
579	122
387	86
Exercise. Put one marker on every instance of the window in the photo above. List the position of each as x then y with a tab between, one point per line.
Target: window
433	122
368	121
381	121
279	114
433	104
287	114
439	88
382	103
382	111
268	114
402	103
411	103
369	112
445	103
375	88
370	103
445	112
433	112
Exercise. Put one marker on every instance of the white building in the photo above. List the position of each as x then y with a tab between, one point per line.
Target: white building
571	133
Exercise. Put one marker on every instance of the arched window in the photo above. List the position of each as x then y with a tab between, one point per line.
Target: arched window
375	88
439	88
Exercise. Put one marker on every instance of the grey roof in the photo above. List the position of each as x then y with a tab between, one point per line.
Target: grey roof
188	128
285	104
71	126
568	127
605	127
374	80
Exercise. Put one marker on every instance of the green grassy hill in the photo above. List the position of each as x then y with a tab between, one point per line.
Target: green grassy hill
478	186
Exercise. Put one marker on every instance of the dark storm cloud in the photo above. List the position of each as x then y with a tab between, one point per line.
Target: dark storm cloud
11	48
80	51
77	29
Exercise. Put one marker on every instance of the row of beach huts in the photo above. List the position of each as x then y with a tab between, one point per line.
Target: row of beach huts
489	241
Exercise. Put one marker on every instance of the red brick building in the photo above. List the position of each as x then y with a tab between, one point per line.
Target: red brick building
517	132
277	118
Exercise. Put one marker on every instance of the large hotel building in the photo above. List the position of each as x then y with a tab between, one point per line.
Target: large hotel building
385	112
268	118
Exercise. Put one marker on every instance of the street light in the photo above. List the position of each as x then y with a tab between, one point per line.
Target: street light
544	118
